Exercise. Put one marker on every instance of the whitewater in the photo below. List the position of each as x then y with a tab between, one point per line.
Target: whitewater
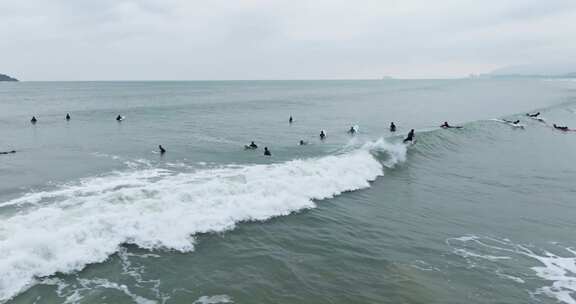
64	229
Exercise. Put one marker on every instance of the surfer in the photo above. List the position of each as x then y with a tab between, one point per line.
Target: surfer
512	122
33	120
533	115
251	146
162	150
8	152
445	125
561	128
410	136
322	135
67	116
119	117
352	130
290	120
302	143
267	152
392	127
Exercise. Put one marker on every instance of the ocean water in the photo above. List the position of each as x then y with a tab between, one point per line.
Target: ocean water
91	213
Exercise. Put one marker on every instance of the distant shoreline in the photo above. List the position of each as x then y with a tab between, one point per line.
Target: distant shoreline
4	77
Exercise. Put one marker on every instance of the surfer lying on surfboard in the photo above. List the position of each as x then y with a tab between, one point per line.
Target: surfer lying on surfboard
445	125
561	128
512	122
533	115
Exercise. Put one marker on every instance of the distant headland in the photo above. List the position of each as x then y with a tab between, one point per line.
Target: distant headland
7	78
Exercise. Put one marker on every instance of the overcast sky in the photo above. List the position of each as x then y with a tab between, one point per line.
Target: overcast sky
279	39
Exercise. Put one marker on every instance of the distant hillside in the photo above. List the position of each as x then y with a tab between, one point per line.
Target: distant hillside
7	78
566	70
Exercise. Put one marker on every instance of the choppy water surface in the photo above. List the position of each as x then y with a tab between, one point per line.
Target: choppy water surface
91	213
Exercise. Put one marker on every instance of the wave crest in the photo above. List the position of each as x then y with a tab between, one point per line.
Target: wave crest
67	228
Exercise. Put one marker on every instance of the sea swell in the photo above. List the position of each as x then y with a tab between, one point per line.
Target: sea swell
71	226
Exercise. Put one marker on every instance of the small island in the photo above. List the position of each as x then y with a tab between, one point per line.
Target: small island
7	78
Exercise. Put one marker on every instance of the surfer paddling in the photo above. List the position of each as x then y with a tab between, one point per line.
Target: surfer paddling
446	125
561	128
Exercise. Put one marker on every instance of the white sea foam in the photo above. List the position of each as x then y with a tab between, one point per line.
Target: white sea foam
65	229
559	270
217	299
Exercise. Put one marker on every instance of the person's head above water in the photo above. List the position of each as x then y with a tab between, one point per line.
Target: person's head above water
267	152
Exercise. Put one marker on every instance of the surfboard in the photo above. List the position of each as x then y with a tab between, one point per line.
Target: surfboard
513	125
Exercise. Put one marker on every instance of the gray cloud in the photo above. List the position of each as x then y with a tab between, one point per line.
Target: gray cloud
263	39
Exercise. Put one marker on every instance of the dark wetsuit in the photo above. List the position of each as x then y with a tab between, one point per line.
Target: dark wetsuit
392	127
410	136
8	152
119	118
162	150
33	120
290	120
67	116
322	135
267	152
560	128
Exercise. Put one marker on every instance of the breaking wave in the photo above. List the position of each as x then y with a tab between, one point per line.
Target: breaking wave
64	229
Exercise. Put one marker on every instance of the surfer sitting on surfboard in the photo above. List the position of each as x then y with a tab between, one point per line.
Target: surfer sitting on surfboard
352	130
251	146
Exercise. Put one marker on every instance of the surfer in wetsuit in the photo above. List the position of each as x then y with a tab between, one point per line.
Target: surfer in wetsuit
445	125
533	115
67	116
512	122
410	136
392	127
322	135
8	152
267	152
352	130
252	146
33	120
302	143
119	117
162	150
290	120
561	128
